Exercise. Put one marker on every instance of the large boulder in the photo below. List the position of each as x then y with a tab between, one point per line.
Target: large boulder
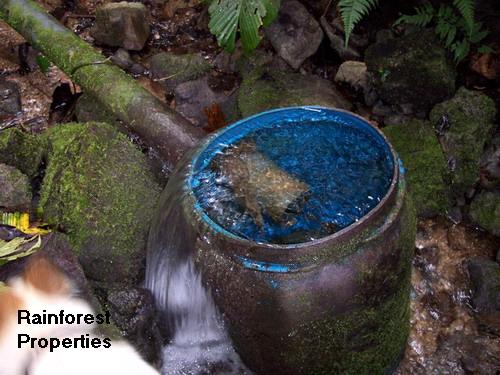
15	188
21	150
466	122
171	69
122	24
268	87
412	70
485	211
424	163
295	35
99	189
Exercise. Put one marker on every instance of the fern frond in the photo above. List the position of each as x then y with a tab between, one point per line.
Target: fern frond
423	17
352	11
466	10
460	50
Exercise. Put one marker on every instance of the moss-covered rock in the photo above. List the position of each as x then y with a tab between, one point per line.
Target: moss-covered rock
485	211
174	69
469	116
15	188
414	69
265	88
425	165
21	150
99	188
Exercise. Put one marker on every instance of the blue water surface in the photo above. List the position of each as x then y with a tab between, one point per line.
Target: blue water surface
346	163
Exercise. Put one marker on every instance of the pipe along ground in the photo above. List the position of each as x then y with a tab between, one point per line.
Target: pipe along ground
324	290
142	113
334	302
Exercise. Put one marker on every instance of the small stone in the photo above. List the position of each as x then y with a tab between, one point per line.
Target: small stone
171	69
133	310
485	211
354	74
295	35
485	278
122	58
10	99
381	109
122	24
15	188
489	168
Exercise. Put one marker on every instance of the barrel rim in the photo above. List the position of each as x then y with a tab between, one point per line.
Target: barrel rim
247	246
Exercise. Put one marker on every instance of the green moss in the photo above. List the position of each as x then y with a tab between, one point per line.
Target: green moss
100	189
21	150
268	88
371	336
485	211
470	116
396	62
425	165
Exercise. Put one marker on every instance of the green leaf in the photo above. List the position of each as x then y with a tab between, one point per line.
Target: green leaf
424	15
485	49
352	11
18	247
460	50
227	17
3	287
43	63
466	10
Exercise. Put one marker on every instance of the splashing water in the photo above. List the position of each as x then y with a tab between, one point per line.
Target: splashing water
200	343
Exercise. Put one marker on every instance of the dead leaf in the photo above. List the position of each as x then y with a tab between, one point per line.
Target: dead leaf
488	65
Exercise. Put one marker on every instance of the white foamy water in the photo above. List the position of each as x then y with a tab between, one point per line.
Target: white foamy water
200	343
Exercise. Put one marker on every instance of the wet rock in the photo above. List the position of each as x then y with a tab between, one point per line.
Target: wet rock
489	168
99	188
295	34
122	24
21	150
384	35
485	278
122	58
133	310
465	123
485	211
267	87
225	62
354	74
194	97
425	165
172	69
15	188
396	63
10	99
337	42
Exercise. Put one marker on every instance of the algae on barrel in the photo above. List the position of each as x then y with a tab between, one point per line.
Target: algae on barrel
99	188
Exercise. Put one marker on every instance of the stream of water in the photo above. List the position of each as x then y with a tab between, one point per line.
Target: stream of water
200	343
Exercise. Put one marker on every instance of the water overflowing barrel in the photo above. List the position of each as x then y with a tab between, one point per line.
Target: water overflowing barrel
290	233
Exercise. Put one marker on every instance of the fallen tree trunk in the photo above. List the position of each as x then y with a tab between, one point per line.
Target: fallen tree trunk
159	126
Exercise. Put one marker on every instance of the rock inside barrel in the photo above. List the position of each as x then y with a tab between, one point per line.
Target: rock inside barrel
258	184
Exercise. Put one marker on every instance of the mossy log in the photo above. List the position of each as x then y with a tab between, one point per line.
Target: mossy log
159	126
